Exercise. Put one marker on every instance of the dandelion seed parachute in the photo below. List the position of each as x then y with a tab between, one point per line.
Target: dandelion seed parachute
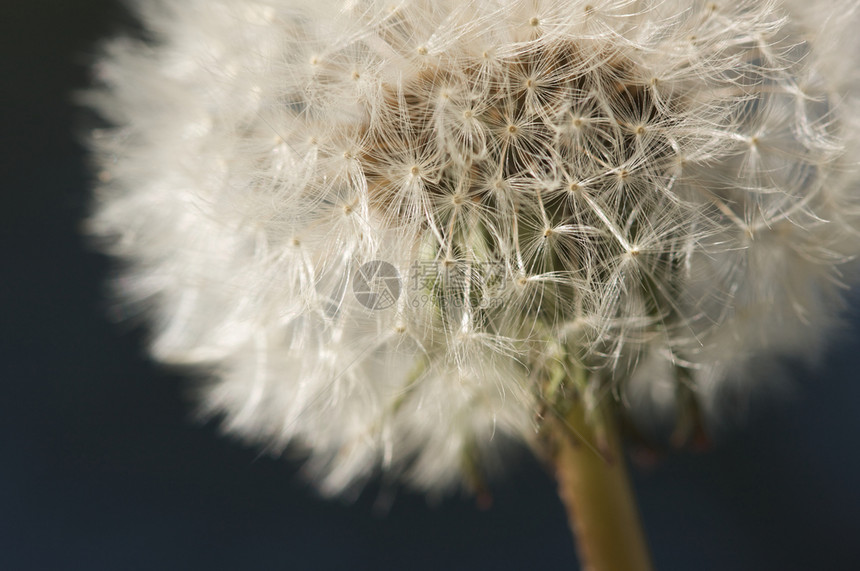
658	192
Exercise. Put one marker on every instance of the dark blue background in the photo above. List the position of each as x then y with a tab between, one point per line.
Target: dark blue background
101	466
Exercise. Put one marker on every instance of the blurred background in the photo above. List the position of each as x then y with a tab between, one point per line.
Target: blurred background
103	467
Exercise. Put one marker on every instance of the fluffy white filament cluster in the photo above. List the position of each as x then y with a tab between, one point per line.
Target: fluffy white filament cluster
390	230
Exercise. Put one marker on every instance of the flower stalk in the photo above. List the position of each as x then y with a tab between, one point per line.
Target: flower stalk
587	460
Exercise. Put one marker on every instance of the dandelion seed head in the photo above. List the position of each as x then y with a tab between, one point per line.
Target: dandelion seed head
657	193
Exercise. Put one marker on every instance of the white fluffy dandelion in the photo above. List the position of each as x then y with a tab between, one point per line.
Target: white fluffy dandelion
401	234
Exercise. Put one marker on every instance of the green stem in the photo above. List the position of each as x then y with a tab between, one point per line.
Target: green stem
588	462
